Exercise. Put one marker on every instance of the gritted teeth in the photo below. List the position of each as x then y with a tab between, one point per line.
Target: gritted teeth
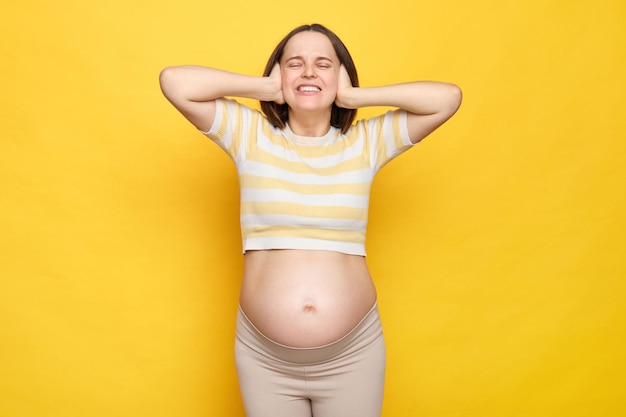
308	88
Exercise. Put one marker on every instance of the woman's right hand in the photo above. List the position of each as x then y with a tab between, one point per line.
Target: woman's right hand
193	89
277	82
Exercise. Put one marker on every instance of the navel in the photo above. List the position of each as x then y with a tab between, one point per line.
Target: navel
309	308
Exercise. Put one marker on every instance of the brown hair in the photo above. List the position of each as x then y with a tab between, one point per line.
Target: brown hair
278	114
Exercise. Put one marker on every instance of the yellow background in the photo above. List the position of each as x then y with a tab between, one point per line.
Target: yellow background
497	245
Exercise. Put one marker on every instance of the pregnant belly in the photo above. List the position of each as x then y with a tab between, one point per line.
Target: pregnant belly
305	298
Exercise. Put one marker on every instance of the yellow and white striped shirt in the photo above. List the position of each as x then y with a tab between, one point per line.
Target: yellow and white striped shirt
306	192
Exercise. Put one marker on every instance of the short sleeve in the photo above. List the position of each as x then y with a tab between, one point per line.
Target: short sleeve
387	137
232	125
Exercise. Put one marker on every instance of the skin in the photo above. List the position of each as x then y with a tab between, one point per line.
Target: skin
306	298
310	72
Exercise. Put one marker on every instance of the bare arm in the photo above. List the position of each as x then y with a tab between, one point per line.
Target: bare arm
193	90
428	103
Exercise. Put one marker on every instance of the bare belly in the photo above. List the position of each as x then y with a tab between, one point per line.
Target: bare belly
304	298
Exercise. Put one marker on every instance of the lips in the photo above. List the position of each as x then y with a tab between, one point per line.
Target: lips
308	89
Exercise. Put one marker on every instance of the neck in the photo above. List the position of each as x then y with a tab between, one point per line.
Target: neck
312	125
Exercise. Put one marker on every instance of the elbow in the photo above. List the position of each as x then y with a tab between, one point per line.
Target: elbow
454	97
167	80
171	80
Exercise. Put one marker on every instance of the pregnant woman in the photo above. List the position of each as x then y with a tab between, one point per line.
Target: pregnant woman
309	339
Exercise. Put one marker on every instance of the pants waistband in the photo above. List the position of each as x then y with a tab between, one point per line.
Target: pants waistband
364	333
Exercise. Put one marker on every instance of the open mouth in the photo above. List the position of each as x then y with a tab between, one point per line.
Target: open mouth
309	89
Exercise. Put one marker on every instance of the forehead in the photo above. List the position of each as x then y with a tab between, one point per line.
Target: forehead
309	44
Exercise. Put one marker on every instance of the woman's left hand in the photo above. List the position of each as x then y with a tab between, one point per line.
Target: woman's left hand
344	85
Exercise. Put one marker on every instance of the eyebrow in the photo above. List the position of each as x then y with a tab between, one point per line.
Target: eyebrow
319	58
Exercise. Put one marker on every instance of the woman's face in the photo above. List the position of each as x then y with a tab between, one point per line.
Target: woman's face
309	71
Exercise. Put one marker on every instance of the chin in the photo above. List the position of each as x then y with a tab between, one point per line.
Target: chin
311	105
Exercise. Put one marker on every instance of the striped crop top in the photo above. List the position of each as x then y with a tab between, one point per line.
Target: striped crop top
305	192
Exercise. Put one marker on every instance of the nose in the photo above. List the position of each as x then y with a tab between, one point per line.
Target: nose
309	71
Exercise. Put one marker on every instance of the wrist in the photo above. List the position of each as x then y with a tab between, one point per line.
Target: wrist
347	98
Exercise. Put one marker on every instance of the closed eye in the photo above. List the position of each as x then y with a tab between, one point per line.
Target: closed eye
294	62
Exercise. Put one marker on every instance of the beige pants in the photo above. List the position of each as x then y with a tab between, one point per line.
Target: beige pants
342	379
